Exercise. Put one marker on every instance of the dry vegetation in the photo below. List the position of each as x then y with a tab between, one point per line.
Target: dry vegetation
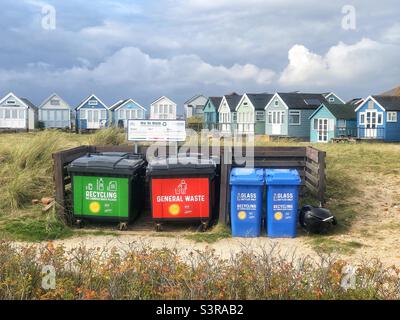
147	273
363	193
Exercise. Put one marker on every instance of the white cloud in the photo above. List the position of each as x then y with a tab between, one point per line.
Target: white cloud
131	65
392	34
365	61
131	68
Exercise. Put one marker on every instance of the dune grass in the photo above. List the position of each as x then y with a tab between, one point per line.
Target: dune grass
26	173
26	170
109	136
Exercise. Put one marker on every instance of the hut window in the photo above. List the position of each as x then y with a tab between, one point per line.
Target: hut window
342	123
362	118
122	114
294	117
380	118
276	102
260	116
93	103
392	117
55	102
331	99
11	102
315	124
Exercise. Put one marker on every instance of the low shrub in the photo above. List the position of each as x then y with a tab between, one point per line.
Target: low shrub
145	273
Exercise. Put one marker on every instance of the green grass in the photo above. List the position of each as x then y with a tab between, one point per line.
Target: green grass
328	245
34	230
98	233
215	234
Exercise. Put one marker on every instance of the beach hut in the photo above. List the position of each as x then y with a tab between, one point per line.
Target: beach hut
17	113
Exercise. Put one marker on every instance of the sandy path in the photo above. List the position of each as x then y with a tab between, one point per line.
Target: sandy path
224	248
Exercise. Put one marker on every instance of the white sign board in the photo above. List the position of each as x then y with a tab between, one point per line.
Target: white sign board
156	130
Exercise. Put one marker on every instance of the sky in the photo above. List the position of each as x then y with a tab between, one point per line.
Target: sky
146	49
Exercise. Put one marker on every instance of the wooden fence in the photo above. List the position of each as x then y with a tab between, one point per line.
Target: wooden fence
310	163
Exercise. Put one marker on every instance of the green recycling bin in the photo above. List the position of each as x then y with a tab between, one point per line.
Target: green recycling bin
107	187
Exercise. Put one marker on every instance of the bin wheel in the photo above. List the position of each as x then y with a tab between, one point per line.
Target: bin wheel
123	226
158	227
79	223
203	227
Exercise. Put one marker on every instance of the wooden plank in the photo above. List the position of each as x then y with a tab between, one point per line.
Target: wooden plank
119	148
312	167
312	178
311	188
278	164
280	149
275	153
72	154
312	154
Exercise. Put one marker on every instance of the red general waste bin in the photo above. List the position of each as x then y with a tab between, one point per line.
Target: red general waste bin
182	191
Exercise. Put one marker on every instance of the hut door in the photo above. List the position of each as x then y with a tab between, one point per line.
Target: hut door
93	119
322	130
370	123
277	119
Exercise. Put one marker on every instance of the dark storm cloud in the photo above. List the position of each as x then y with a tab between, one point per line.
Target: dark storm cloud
144	49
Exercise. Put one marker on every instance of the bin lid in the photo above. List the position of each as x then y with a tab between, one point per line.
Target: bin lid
282	177
190	165
110	164
119	154
247	176
113	154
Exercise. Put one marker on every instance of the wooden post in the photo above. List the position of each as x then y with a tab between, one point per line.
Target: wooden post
226	165
61	159
321	177
59	184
